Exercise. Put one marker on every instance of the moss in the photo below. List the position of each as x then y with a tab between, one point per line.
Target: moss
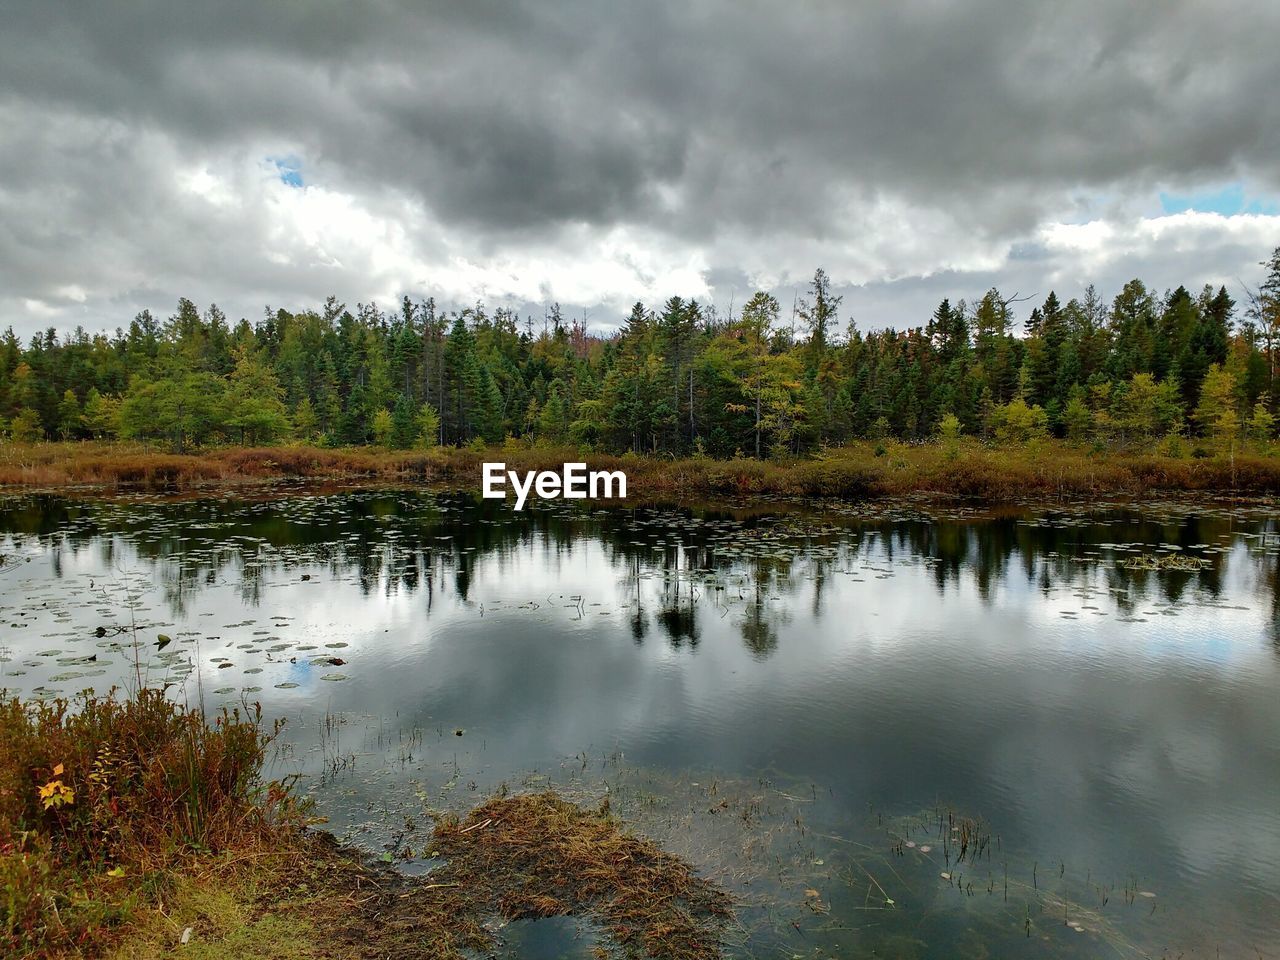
520	857
303	896
227	922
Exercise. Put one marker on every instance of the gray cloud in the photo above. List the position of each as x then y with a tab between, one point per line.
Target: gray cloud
891	143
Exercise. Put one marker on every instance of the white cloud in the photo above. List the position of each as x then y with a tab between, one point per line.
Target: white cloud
1190	248
598	155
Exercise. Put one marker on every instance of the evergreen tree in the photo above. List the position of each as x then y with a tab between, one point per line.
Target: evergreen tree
553	421
818	312
679	380
70	417
101	415
428	426
1216	412
254	404
383	427
305	421
404	423
25	427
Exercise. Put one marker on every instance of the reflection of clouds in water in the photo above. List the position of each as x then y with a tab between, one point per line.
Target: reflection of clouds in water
894	662
1175	757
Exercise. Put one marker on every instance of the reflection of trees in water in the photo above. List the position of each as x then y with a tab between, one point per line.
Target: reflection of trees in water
250	584
1268	564
678	606
680	622
821	569
389	543
761	619
1049	554
760	627
1275	608
637	620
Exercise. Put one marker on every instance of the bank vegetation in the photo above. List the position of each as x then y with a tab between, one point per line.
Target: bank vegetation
132	827
954	467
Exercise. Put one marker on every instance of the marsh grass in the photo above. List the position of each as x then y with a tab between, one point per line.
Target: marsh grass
944	849
104	797
967	469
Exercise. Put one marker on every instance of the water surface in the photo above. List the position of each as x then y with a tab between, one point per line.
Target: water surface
813	703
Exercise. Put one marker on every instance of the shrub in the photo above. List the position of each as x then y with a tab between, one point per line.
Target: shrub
26	890
1172	446
25	427
1016	422
99	792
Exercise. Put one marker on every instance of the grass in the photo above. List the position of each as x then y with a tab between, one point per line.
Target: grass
537	855
1042	470
103	799
303	898
223	909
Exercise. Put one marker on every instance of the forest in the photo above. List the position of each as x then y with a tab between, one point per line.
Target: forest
1176	370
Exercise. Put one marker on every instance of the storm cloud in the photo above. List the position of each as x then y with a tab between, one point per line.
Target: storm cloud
596	153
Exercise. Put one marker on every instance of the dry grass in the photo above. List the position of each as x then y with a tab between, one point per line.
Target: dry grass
1046	470
537	855
301	899
519	857
137	467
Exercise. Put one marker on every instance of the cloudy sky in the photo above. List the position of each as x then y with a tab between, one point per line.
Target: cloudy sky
595	153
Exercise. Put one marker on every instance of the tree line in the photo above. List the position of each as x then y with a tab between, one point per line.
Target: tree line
675	379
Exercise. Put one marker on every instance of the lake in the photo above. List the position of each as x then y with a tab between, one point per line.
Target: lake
893	730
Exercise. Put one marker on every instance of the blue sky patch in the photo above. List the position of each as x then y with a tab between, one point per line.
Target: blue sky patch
1228	201
289	169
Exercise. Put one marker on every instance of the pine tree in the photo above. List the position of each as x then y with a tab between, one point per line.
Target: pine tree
254	400
818	312
25	427
305	421
1262	424
1077	419
1265	311
404	423
553	421
101	414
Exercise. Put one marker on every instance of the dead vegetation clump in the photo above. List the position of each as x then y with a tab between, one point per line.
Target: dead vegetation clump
1165	561
538	855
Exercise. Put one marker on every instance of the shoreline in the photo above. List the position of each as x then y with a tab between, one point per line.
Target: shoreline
1052	470
132	825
